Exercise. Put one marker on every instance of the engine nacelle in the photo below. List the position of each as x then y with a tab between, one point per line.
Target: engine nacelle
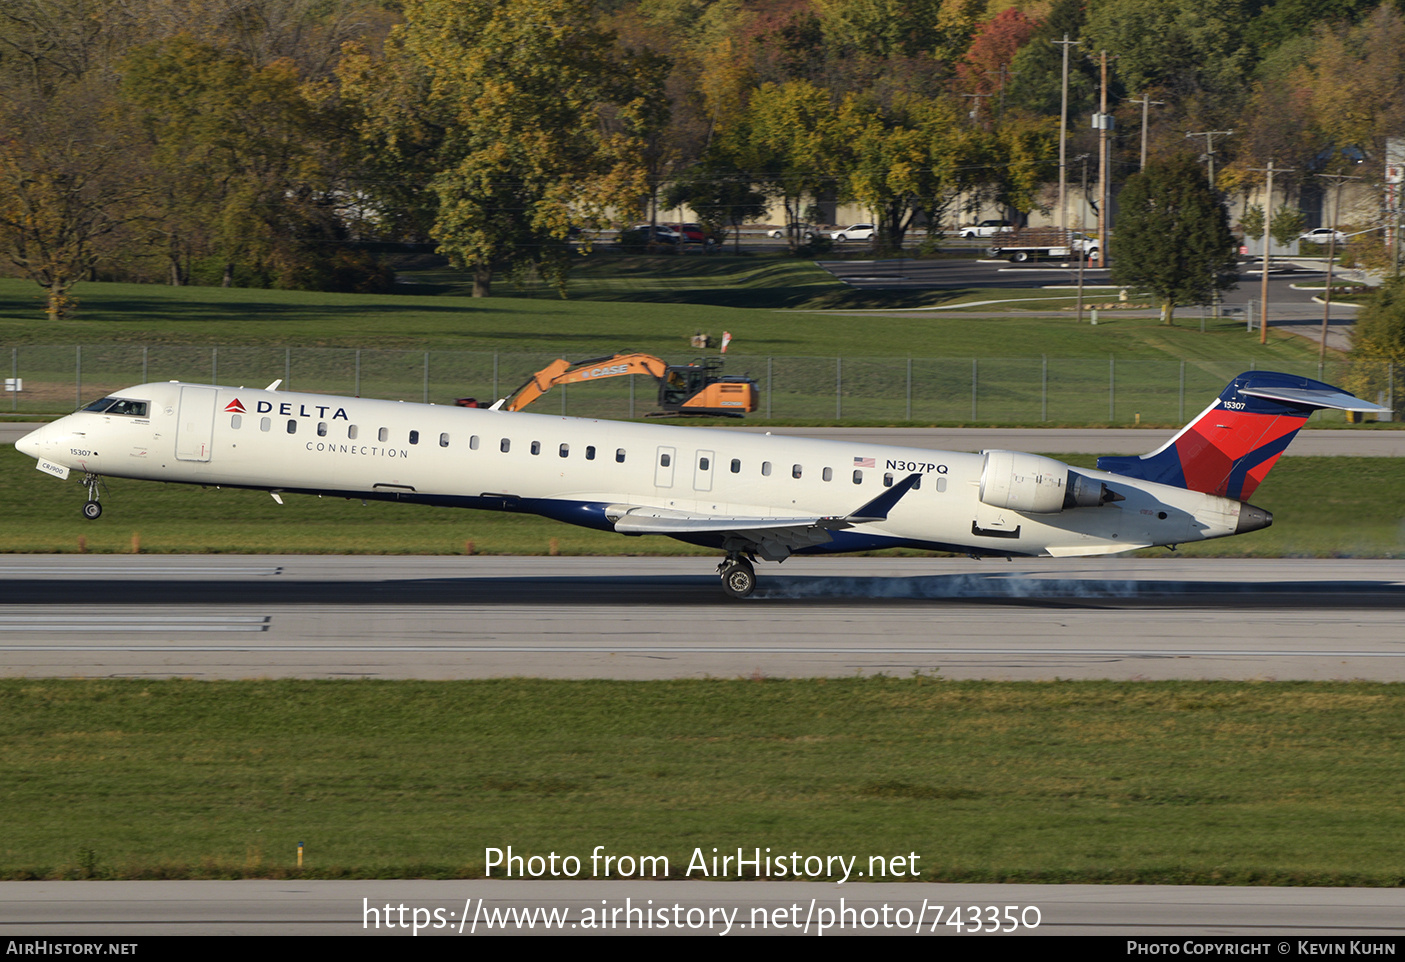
1023	482
1038	485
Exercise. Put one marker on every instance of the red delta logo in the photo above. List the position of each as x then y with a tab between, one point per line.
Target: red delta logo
236	406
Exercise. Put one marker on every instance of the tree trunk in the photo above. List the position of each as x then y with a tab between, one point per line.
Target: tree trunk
1168	313
482	279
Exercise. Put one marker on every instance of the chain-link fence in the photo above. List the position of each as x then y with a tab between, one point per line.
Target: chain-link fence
1031	390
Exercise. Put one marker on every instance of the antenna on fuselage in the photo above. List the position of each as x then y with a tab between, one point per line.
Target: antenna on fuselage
274	385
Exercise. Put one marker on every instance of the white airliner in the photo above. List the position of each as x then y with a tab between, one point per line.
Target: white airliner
747	495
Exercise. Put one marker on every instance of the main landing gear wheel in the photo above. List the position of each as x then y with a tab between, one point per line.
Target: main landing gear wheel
738	577
92	510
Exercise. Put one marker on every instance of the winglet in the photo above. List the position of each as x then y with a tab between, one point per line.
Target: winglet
878	508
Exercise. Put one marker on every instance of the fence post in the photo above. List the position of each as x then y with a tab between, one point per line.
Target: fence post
838	388
287	368
358	372
78	377
144	378
15	384
1111	387
214	365
974	362
1044	387
631	396
426	377
495	377
1180	411
770	386
909	389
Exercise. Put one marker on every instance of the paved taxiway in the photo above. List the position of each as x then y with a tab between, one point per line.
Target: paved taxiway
634	618
1166	913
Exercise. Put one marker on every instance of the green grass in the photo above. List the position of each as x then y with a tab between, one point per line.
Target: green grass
1323	507
613	316
1166	782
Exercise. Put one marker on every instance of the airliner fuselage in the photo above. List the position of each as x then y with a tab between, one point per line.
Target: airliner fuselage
747	494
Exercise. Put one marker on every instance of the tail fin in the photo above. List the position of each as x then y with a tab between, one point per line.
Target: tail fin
1229	449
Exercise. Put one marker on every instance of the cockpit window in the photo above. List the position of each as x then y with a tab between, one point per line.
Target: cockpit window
118	405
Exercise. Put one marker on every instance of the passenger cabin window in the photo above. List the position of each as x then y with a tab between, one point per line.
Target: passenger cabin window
795	470
619	455
590	452
858	477
235	421
351	432
321	429
414	437
736	465
443	440
473	443
265	423
887	480
536	447
704	464
827	474
565	451
383	434
292	425
765	469
665	460
505	446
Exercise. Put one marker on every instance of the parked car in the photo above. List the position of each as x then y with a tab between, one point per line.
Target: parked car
1322	235
807	233
692	233
986	228
638	235
856	232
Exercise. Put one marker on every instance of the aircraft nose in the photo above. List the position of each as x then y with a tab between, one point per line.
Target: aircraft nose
32	443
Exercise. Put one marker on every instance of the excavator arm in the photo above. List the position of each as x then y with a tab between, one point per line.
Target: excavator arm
561	371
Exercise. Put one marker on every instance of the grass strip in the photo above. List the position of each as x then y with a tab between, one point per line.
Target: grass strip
1141	782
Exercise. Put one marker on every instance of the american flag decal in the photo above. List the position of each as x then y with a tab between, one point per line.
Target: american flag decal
863	462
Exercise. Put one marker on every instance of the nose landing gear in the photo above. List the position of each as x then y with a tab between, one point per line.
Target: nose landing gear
92	510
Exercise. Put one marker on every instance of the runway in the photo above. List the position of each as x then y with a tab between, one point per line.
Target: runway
643	618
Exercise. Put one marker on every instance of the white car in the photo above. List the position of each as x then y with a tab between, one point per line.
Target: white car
857	232
1322	235
986	228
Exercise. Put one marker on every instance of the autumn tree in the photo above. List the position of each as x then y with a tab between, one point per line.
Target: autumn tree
1378	342
236	169
1173	236
66	183
525	111
985	68
786	139
902	159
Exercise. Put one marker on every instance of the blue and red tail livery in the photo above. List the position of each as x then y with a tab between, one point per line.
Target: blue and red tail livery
1229	449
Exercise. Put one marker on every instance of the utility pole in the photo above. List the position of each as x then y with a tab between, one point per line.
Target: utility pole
1210	136
1146	102
1338	181
1105	121
1268	225
1063	134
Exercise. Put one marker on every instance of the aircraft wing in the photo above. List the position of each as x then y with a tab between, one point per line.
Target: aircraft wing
774	537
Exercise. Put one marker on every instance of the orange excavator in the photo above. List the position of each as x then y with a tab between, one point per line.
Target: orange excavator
699	388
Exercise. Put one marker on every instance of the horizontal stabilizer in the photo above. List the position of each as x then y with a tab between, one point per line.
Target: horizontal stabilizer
1330	399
